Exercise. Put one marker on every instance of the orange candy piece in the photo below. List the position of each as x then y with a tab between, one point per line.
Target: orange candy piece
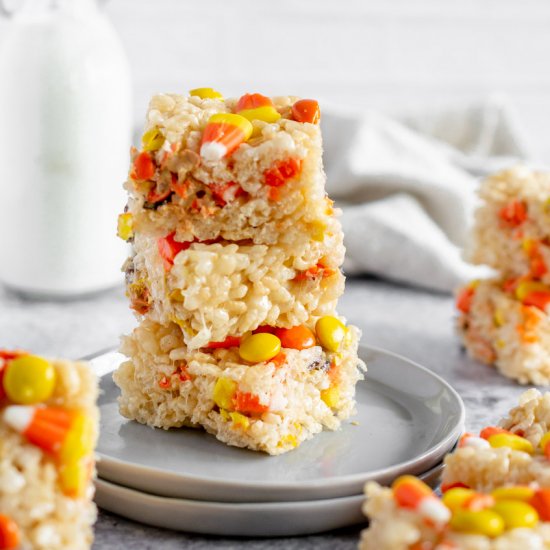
539	299
487	432
229	342
9	533
144	167
306	110
541	503
464	299
282	171
246	402
298	337
513	213
169	248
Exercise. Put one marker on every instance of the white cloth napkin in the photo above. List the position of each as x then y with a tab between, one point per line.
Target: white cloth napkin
407	186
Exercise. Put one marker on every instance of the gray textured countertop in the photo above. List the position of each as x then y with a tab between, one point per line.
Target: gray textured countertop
416	324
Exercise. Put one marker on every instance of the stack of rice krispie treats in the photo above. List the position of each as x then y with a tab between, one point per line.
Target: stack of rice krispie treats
496	492
235	274
48	431
505	320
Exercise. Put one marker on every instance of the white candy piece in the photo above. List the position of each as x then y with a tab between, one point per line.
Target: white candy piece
433	509
18	417
213	151
476	443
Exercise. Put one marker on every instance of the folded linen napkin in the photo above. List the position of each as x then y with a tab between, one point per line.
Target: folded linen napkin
407	186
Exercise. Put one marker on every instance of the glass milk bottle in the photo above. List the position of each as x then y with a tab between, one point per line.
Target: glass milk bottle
65	132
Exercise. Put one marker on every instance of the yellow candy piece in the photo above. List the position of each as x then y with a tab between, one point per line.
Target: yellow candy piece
516	514
331	396
258	348
29	380
289	440
456	497
239	420
224	391
544	441
206	93
152	140
125	226
267	114
331	332
318	231
73	478
513	441
79	442
482	522
526	287
498	318
527	245
513	493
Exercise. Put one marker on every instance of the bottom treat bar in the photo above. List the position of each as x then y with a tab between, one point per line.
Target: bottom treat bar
505	323
409	516
516	452
48	430
268	391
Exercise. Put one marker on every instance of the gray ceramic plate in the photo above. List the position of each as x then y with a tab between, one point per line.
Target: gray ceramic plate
274	519
408	418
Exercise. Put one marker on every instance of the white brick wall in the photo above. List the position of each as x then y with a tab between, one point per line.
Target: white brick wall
387	54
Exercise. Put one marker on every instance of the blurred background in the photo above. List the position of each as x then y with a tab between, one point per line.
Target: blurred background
396	55
420	98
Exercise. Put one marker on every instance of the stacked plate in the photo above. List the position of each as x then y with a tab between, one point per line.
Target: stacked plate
408	419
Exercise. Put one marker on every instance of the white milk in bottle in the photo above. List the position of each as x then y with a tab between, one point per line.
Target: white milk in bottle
65	132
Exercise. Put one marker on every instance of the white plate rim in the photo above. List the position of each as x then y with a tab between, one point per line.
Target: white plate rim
436	451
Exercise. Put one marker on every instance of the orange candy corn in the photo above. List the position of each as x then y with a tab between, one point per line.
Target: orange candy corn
45	427
223	134
257	107
411	492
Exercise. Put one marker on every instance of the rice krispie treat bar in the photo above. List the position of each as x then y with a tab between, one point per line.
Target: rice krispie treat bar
410	516
216	290
213	168
512	227
506	323
48	431
517	452
266	391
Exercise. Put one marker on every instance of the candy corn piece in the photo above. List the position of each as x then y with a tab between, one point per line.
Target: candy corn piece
257	107
410	492
223	134
66	434
205	93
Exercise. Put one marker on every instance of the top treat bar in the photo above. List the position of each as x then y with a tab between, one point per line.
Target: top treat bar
215	169
512	226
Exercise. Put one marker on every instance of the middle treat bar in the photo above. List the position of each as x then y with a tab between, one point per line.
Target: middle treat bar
213	291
